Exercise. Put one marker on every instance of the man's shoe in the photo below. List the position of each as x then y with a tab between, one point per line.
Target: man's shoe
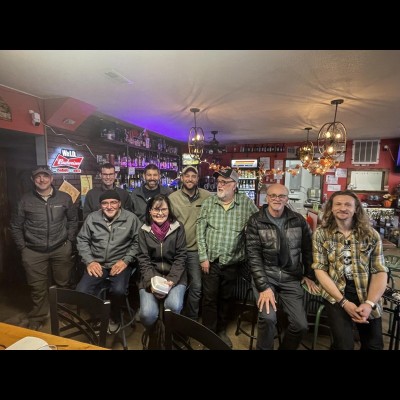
225	338
35	325
113	327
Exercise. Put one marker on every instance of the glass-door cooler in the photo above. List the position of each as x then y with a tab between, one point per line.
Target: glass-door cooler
247	169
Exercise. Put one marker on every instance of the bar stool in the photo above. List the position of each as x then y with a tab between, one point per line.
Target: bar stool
393	296
127	309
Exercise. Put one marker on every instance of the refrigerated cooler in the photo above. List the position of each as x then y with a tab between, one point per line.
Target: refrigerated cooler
248	169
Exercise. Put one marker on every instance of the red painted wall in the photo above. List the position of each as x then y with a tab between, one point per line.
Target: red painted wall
20	104
385	162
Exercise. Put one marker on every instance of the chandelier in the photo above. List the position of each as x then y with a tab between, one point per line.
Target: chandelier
196	138
316	166
332	137
306	151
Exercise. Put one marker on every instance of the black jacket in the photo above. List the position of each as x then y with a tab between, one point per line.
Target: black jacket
263	246
43	226
166	259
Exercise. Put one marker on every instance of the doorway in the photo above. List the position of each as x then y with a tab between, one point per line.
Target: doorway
299	185
17	157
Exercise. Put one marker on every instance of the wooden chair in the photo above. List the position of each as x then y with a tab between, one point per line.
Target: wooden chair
72	314
178	329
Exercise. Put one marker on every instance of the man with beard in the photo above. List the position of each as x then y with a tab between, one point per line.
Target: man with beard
151	187
349	264
220	239
186	205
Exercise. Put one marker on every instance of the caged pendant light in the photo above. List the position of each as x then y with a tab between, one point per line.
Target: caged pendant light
332	136
306	151
196	138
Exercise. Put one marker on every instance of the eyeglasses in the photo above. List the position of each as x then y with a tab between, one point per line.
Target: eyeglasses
109	174
277	196
159	210
223	183
112	203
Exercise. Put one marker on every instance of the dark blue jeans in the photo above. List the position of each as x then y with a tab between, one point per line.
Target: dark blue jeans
118	288
291	300
193	268
342	328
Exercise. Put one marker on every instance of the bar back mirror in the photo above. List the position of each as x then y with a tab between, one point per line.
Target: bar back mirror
367	180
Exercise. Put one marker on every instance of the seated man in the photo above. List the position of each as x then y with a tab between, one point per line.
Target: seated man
108	244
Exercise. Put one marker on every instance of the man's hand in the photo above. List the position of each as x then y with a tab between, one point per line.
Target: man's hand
205	266
312	287
95	269
266	298
118	267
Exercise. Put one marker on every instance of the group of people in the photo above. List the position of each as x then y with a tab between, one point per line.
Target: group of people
199	243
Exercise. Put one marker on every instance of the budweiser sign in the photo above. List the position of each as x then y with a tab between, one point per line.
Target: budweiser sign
67	162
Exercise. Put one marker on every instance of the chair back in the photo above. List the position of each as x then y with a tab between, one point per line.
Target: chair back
178	329
73	313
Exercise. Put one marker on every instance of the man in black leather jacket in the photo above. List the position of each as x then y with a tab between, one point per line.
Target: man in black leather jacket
278	244
44	226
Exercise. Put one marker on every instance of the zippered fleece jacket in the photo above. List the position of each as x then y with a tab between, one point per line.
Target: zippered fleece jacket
97	241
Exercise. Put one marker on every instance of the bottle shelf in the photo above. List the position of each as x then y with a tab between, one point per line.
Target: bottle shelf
141	148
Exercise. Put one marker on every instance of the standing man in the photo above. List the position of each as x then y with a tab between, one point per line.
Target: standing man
108	244
107	174
220	240
44	227
186	205
148	190
349	264
278	247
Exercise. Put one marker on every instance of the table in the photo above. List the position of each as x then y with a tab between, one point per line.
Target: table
9	334
387	244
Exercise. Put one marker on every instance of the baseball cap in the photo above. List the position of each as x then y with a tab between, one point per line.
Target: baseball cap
43	169
228	173
108	195
189	168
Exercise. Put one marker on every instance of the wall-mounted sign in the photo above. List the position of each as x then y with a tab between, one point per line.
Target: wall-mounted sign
247	163
67	162
187	159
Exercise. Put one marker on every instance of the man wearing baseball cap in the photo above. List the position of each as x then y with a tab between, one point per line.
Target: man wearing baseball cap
220	238
108	245
186	205
44	226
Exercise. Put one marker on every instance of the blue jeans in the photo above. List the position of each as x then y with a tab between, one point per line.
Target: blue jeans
291	301
149	304
118	288
194	290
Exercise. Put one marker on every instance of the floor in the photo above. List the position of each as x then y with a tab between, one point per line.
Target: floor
14	304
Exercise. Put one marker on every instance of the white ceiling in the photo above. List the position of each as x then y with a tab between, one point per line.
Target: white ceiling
248	96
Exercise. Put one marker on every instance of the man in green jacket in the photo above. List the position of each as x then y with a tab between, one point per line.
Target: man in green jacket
186	205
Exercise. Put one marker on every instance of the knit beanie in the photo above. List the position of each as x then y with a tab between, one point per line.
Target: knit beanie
108	195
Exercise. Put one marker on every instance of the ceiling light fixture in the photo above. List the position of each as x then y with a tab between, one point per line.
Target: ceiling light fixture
332	136
306	150
196	138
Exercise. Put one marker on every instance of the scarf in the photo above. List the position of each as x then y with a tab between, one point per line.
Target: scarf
160	230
